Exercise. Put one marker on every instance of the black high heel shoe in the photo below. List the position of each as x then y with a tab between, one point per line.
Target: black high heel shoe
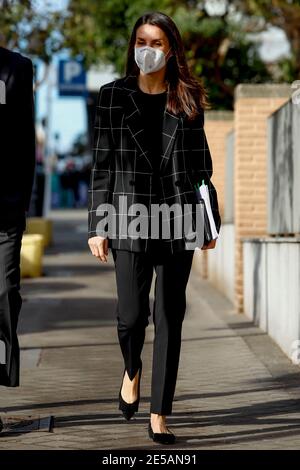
128	409
161	437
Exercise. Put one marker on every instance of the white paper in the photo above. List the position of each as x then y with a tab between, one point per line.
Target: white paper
205	195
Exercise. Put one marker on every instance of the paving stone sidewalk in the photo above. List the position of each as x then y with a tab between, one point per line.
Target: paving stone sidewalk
235	388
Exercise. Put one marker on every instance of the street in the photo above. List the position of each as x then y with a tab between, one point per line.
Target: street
235	390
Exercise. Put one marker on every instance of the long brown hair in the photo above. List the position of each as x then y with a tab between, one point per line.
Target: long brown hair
185	93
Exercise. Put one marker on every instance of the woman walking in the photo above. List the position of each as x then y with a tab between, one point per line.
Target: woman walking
150	148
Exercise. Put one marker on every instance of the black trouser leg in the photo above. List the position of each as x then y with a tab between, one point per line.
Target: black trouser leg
134	273
172	274
10	298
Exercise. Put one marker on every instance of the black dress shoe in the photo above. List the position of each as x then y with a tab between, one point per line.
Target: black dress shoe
128	409
161	437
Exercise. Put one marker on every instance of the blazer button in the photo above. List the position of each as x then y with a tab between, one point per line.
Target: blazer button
178	183
132	182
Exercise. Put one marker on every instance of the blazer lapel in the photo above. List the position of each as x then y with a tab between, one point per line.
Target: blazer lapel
133	119
170	125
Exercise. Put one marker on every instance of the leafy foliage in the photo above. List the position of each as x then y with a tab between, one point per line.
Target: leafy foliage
218	47
30	29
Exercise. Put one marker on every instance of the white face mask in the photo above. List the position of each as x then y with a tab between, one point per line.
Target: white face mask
149	59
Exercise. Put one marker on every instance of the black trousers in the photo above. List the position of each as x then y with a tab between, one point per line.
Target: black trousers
134	273
11	231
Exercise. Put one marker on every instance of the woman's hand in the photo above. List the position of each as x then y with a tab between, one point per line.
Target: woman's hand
210	245
99	247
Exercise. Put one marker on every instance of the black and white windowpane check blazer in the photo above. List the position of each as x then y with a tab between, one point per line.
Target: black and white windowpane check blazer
122	166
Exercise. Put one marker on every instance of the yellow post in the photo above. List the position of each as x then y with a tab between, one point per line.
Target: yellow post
31	255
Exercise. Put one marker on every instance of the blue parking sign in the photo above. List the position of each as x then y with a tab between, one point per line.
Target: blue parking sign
72	78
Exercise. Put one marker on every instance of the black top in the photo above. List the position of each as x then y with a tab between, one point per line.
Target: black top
153	106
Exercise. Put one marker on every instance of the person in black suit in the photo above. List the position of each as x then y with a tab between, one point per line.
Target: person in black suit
150	148
17	166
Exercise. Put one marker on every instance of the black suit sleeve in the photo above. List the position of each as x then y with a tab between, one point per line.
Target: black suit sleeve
202	166
28	128
103	150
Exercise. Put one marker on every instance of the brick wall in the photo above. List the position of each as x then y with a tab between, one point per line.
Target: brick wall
253	104
217	125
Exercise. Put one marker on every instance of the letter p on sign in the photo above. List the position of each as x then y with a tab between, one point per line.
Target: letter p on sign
71	78
71	70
